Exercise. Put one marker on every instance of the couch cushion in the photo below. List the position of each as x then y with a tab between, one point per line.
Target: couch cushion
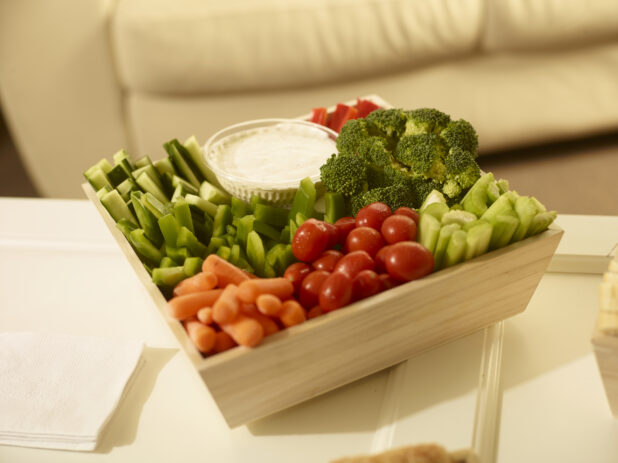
538	24
197	46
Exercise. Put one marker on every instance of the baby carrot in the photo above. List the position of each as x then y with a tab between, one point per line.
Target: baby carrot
268	304
312	313
226	308
205	315
223	341
292	313
248	291
187	305
268	324
202	281
202	336
226	273
245	330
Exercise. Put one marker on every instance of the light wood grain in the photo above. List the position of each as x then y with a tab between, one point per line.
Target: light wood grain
342	346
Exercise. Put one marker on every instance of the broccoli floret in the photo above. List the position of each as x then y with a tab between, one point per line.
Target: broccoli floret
462	172
345	174
387	122
461	134
418	185
422	186
376	177
424	154
352	135
395	196
460	164
375	151
425	120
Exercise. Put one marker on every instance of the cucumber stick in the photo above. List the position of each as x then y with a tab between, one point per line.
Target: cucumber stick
116	207
182	165
195	151
146	219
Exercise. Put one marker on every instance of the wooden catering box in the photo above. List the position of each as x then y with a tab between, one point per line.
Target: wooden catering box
330	351
605	335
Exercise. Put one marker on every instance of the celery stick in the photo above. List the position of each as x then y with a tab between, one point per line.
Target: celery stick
456	249
126	227
266	230
167	262
186	239
224	252
168	276
255	252
304	199
335	206
202	204
182	214
223	218
144	246
275	216
444	238
428	230
169	229
478	238
239	207
179	255
192	265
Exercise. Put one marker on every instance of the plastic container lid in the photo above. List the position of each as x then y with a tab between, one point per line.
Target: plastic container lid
268	157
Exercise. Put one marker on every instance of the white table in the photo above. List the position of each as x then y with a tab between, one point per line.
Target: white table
60	271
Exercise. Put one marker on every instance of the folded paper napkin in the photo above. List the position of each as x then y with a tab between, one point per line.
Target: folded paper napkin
59	391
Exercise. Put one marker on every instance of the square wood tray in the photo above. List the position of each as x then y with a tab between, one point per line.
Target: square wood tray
330	351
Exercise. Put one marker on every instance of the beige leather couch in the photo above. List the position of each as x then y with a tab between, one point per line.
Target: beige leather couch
79	80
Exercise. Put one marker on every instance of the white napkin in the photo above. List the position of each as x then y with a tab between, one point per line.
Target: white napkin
59	391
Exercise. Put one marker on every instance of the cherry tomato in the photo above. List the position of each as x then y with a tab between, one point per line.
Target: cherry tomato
296	273
353	262
310	288
408	260
387	281
408	211
366	283
336	291
397	228
310	240
364	239
380	266
333	235
327	260
344	226
373	215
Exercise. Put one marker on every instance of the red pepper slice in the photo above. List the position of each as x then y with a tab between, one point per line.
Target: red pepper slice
318	115
343	113
364	107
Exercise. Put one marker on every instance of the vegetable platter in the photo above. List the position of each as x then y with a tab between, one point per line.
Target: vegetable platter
362	337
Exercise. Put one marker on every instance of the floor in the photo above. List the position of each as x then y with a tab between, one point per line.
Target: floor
577	177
